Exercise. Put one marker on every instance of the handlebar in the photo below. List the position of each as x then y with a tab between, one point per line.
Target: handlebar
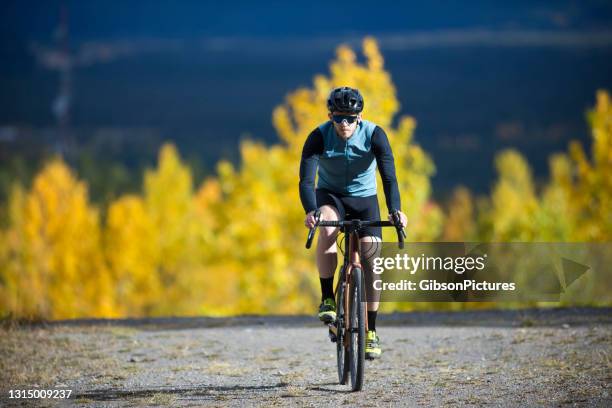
358	224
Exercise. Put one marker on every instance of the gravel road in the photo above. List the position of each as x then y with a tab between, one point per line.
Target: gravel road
556	357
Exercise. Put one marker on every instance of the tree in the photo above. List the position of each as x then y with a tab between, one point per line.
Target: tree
133	256
514	203
460	223
177	233
574	205
591	193
55	268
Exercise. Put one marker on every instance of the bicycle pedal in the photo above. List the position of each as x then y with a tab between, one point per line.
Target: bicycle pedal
332	337
333	332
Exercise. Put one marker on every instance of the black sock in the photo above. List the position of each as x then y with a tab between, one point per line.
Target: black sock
327	288
372	320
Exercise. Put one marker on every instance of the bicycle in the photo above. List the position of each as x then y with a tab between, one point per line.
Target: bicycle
349	329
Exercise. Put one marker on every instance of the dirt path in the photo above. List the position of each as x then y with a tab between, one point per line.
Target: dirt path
552	358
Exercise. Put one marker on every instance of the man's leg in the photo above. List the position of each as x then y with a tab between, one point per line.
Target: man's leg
327	261
370	249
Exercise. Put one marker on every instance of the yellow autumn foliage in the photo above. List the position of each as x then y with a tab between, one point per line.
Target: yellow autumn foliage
460	223
55	267
592	191
235	244
132	255
573	206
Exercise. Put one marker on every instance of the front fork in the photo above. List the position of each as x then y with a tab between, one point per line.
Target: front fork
354	262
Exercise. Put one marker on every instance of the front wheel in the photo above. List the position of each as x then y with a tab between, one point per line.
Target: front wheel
357	329
342	356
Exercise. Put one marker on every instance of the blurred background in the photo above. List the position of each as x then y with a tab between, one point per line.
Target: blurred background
149	151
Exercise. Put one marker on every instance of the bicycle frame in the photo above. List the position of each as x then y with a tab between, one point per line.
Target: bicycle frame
352	259
352	249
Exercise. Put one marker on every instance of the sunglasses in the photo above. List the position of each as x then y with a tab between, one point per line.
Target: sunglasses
349	119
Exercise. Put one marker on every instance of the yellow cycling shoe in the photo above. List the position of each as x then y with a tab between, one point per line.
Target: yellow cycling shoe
372	350
327	311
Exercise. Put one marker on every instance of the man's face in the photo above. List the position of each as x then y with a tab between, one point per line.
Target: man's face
344	129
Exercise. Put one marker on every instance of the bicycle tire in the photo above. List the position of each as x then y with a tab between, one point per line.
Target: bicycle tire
342	357
357	329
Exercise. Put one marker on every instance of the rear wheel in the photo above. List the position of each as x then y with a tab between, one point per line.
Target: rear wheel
357	329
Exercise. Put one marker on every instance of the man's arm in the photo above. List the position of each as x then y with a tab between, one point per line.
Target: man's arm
313	147
386	165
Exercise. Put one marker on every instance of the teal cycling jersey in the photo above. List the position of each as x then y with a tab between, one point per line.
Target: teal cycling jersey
348	166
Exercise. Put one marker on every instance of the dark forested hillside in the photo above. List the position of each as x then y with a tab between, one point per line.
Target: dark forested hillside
476	78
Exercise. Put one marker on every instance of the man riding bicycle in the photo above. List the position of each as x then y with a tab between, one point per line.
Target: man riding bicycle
347	149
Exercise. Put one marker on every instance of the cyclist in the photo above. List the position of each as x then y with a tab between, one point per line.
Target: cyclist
347	149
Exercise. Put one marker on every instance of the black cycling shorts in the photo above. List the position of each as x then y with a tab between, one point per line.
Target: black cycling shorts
353	208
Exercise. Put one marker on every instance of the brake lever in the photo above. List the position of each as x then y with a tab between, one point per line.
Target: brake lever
311	233
401	234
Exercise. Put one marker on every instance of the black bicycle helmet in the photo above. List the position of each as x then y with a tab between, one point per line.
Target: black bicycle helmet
345	99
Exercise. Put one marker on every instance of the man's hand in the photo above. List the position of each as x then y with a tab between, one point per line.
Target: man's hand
403	219
310	220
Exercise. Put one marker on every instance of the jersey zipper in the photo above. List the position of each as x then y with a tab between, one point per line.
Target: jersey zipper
346	172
